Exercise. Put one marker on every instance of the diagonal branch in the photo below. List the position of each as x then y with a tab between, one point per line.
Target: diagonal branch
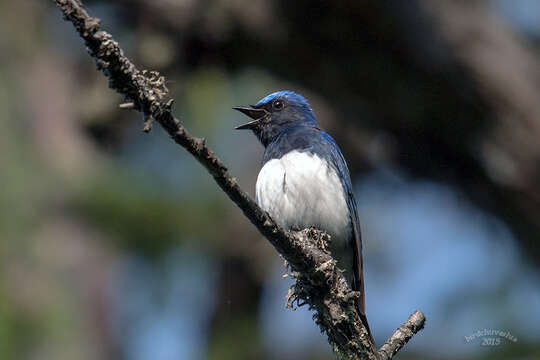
403	334
320	284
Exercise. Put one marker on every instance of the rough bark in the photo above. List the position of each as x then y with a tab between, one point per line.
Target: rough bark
447	87
320	284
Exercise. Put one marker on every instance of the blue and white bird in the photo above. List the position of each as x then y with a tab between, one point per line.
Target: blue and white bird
304	181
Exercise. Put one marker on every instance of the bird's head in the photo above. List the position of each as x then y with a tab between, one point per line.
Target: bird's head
276	113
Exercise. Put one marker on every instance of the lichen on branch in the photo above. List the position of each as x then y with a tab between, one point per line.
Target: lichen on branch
319	283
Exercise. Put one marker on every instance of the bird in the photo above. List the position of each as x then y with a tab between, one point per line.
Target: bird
304	180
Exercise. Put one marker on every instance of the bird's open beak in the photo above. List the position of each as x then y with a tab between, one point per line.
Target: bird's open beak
256	114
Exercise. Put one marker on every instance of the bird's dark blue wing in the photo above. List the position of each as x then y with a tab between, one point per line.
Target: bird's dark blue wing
336	159
313	139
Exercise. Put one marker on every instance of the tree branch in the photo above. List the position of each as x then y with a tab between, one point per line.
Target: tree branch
403	334
320	284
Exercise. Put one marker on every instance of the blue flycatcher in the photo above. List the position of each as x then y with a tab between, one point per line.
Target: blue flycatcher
304	181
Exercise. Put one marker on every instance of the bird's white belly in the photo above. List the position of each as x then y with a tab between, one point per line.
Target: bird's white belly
301	190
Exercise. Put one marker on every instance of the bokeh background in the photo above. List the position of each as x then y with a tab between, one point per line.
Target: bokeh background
115	244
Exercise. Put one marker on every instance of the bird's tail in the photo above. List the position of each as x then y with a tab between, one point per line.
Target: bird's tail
363	318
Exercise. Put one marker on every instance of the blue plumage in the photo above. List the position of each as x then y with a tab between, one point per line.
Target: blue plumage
305	181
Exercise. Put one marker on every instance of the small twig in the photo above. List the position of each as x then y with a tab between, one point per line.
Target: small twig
402	335
148	121
127	106
320	284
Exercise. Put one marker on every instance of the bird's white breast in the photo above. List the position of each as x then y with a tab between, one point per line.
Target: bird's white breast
301	190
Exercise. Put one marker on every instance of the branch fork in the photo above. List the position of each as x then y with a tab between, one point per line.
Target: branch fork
319	283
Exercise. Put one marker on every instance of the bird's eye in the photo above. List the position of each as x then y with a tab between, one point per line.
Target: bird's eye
277	105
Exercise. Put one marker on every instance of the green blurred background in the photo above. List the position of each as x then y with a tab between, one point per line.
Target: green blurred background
115	244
